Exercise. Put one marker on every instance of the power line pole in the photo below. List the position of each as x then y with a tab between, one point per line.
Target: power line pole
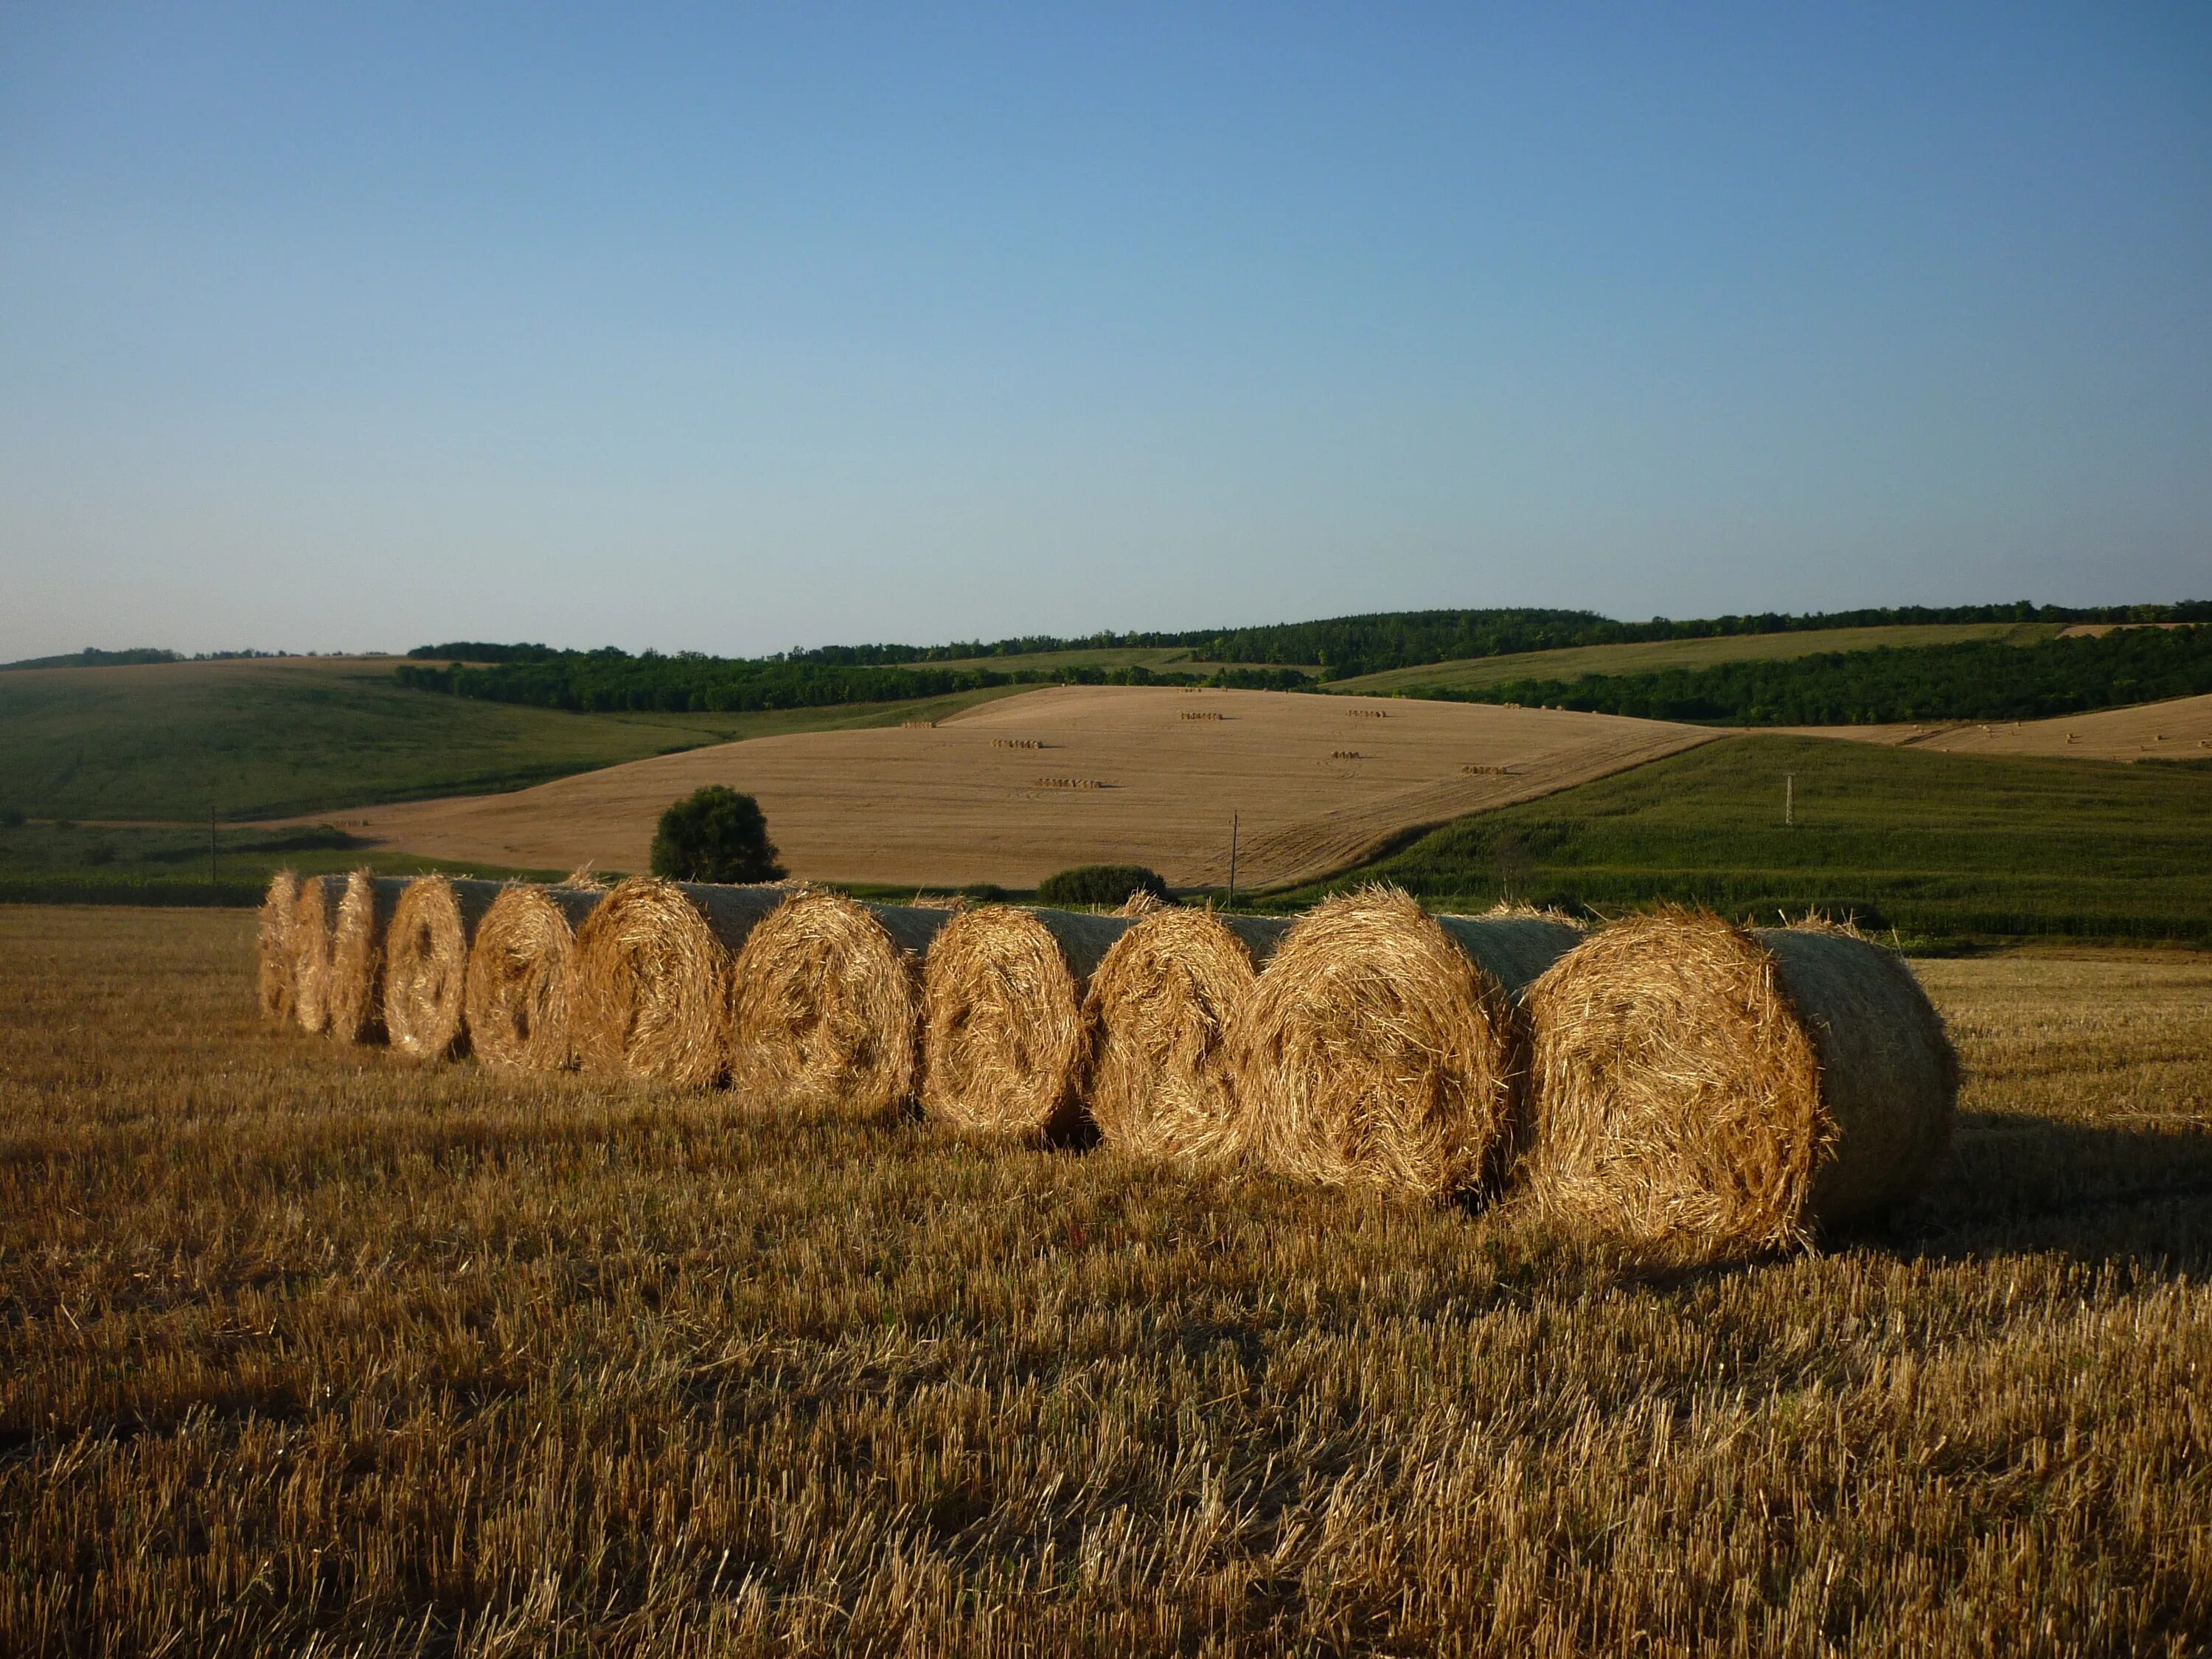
1789	798
1232	860
211	883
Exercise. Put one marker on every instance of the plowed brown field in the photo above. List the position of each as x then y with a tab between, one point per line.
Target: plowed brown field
1122	775
2180	729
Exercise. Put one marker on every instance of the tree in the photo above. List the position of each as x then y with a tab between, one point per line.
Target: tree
1100	884
714	834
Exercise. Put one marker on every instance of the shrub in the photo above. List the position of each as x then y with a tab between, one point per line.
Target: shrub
714	834
983	892
1100	884
100	852
11	818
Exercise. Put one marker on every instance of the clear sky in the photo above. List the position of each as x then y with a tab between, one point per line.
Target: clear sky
737	328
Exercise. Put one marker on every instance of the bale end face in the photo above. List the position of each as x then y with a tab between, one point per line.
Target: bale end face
1383	1049
1005	1043
1712	1093
521	974
276	977
826	1004
1161	1006
354	988
311	952
426	965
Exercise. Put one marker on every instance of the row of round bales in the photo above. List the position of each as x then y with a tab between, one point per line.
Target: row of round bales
1671	1079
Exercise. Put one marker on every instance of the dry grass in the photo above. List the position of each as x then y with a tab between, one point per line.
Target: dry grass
521	976
652	978
1709	1090
2178	729
1383	1049
307	1350
959	802
826	1004
426	965
1006	1040
1160	1007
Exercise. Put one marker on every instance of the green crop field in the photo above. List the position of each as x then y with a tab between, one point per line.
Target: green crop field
1644	657
273	737
1936	846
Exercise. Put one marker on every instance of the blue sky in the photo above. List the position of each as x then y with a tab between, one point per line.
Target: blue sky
737	328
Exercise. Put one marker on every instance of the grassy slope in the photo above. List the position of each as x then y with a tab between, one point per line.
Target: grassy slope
266	739
1935	845
1641	658
307	1348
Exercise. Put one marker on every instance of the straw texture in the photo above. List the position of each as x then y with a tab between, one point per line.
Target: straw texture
426	960
1161	1006
277	981
1005	1041
652	992
826	1004
311	951
1712	1093
353	991
521	976
1383	1049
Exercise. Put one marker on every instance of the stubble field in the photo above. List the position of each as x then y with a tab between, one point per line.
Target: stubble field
307	1351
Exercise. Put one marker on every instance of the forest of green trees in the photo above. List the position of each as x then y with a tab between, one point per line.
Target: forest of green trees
1984	680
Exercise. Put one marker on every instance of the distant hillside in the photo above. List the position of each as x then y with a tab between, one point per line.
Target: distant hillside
93	656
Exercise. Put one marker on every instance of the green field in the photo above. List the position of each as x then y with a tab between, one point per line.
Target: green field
280	737
1648	656
1936	846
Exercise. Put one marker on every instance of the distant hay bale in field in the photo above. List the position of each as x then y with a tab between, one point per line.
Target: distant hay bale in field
311	951
1161	1005
1201	714
276	982
521	975
1715	1091
353	993
825	1004
1015	743
1072	783
652	991
426	963
1005	1040
1382	1047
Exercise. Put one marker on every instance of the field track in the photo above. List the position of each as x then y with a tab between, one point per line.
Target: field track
2180	729
1122	775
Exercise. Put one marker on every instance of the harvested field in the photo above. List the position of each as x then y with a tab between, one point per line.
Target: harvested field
946	805
2180	729
307	1349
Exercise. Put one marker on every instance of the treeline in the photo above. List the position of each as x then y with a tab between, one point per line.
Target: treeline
612	682
1984	680
1343	647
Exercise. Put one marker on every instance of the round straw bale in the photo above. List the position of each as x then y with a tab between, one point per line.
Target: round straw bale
1382	1047
353	991
652	992
1161	1006
426	960
521	976
826	1004
1716	1091
311	951
1005	1043
277	982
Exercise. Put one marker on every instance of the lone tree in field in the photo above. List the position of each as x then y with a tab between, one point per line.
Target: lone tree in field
714	834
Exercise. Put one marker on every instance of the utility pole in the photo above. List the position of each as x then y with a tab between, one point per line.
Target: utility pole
1789	799
210	852
1232	860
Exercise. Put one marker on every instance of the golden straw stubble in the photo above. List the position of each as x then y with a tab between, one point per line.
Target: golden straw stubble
1711	1091
353	992
311	951
1382	1048
826	1004
277	981
426	959
1005	1043
652	992
1161	1005
521	976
